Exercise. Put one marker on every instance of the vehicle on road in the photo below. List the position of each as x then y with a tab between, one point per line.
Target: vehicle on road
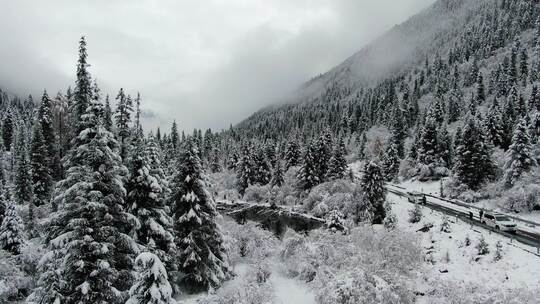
415	197
499	222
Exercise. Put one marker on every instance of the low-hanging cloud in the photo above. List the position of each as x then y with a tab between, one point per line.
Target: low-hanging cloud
205	64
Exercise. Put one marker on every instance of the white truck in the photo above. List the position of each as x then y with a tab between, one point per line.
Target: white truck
499	222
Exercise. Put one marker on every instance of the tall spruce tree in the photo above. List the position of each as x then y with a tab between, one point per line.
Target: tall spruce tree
201	253
322	154
496	132
145	201
83	88
89	232
262	173
245	169
374	192
473	163
277	176
362	146
292	154
108	115
427	143
41	173
390	163
337	167
8	130
24	191
45	120
307	175
123	111
519	157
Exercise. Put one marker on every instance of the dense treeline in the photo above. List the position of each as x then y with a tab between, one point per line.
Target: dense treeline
83	182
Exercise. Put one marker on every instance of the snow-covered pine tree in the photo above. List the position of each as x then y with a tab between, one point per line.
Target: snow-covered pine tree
444	146
362	146
480	96
155	163
175	136
3	201
307	175
262	173
519	158
277	176
201	254
399	132
152	284
335	222
215	161
270	152
373	191
245	169
494	125
427	144
337	167
292	154
390	221
123	111
232	162
322	154
146	202
45	120
11	230
108	115
83	89
89	231
24	192
8	130
473	165
41	173
390	162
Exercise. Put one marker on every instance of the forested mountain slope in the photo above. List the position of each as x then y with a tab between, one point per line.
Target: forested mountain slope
444	44
452	92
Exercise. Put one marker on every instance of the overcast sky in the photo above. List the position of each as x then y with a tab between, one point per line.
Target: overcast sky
203	63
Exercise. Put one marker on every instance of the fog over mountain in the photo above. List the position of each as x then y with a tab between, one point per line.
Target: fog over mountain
204	64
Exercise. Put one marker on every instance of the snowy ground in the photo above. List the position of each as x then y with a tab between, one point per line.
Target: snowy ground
284	289
453	261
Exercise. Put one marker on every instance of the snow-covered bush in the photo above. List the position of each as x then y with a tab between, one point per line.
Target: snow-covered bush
12	230
498	251
335	222
288	193
253	288
318	258
257	193
333	195
482	246
248	241
521	198
390	221
224	184
260	272
359	287
467	241
415	214
14	283
30	256
445	224
152	285
444	291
